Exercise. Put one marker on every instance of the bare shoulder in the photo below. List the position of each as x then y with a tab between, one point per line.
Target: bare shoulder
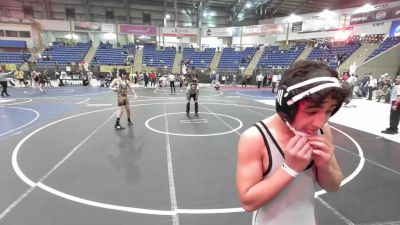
115	80
129	84
250	142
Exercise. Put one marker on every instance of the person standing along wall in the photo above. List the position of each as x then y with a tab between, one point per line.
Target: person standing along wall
3	83
394	109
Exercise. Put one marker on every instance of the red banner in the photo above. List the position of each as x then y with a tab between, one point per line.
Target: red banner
138	30
263	29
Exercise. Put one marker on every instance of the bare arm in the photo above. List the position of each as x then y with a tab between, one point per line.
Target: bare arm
254	191
133	91
112	84
329	174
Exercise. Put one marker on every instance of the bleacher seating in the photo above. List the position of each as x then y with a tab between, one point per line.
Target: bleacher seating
231	59
329	53
107	55
200	59
386	44
158	58
63	55
273	57
14	57
130	46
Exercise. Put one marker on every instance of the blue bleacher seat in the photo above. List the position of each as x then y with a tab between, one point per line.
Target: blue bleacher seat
158	58
328	54
198	59
386	44
107	55
273	57
231	59
14	57
63	55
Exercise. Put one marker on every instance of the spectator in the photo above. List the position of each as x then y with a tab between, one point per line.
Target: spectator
395	109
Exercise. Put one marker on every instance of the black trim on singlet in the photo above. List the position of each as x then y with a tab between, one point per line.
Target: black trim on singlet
273	139
268	150
279	147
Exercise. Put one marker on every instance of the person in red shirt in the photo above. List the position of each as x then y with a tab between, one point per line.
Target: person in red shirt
345	76
153	77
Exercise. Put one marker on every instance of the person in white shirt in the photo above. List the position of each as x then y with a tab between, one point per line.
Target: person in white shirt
373	84
223	78
63	74
259	79
351	81
89	77
172	78
274	81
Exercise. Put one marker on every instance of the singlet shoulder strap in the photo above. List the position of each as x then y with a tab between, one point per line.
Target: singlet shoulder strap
265	132
261	128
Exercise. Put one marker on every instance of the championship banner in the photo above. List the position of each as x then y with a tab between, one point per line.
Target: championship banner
264	29
179	32
138	30
89	26
221	32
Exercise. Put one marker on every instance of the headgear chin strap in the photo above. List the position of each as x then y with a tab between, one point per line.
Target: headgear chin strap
286	97
296	132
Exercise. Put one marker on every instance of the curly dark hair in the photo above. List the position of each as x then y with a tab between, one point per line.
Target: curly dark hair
305	70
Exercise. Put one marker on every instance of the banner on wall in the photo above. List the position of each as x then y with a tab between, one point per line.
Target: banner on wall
395	29
375	16
221	32
327	30
263	29
138	30
179	32
320	23
54	25
89	26
107	27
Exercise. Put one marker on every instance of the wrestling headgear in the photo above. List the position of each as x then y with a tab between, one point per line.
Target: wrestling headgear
287	97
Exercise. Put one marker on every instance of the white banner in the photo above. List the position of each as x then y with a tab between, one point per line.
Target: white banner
54	25
320	24
89	26
264	29
107	27
221	32
179	31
